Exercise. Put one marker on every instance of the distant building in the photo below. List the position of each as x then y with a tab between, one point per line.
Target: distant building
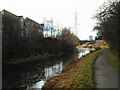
22	25
10	22
21	20
49	29
33	27
98	41
18	34
90	38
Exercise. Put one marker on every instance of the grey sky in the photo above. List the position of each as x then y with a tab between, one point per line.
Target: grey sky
61	11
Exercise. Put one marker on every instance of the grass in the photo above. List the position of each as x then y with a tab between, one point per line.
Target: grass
113	57
78	74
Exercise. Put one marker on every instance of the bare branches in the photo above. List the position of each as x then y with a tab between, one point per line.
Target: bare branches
109	22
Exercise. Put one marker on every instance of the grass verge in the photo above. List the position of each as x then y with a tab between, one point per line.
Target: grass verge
78	74
113	57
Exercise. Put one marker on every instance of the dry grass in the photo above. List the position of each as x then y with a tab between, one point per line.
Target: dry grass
78	74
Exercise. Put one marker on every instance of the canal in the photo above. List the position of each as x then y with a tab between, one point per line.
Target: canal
34	75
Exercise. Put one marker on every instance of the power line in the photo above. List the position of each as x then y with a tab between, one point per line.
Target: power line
76	22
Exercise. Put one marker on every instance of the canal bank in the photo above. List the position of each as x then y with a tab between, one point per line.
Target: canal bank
34	75
78	74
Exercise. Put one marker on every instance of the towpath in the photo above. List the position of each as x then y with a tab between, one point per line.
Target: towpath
105	75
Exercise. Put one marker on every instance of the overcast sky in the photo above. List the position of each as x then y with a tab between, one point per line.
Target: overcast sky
61	11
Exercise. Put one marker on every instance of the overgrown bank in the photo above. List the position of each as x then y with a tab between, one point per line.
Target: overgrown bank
108	27
27	49
48	48
78	74
113	57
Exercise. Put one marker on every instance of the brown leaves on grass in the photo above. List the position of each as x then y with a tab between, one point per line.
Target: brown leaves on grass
78	74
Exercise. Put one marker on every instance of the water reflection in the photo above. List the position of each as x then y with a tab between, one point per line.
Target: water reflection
38	85
34	75
84	51
51	71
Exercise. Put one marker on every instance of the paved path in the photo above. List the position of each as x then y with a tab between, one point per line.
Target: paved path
104	74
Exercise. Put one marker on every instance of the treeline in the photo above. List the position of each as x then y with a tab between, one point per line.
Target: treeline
108	26
15	45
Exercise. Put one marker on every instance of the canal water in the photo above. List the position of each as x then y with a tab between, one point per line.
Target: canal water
35	75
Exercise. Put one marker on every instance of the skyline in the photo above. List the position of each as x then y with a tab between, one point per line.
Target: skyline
62	13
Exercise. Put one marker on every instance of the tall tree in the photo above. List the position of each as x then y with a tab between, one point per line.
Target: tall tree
69	37
109	23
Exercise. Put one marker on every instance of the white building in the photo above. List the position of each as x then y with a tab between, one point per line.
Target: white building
90	38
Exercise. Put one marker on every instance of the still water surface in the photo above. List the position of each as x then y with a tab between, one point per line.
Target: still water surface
35	75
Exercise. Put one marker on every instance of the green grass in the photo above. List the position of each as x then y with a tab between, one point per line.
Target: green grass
113	57
78	74
85	74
